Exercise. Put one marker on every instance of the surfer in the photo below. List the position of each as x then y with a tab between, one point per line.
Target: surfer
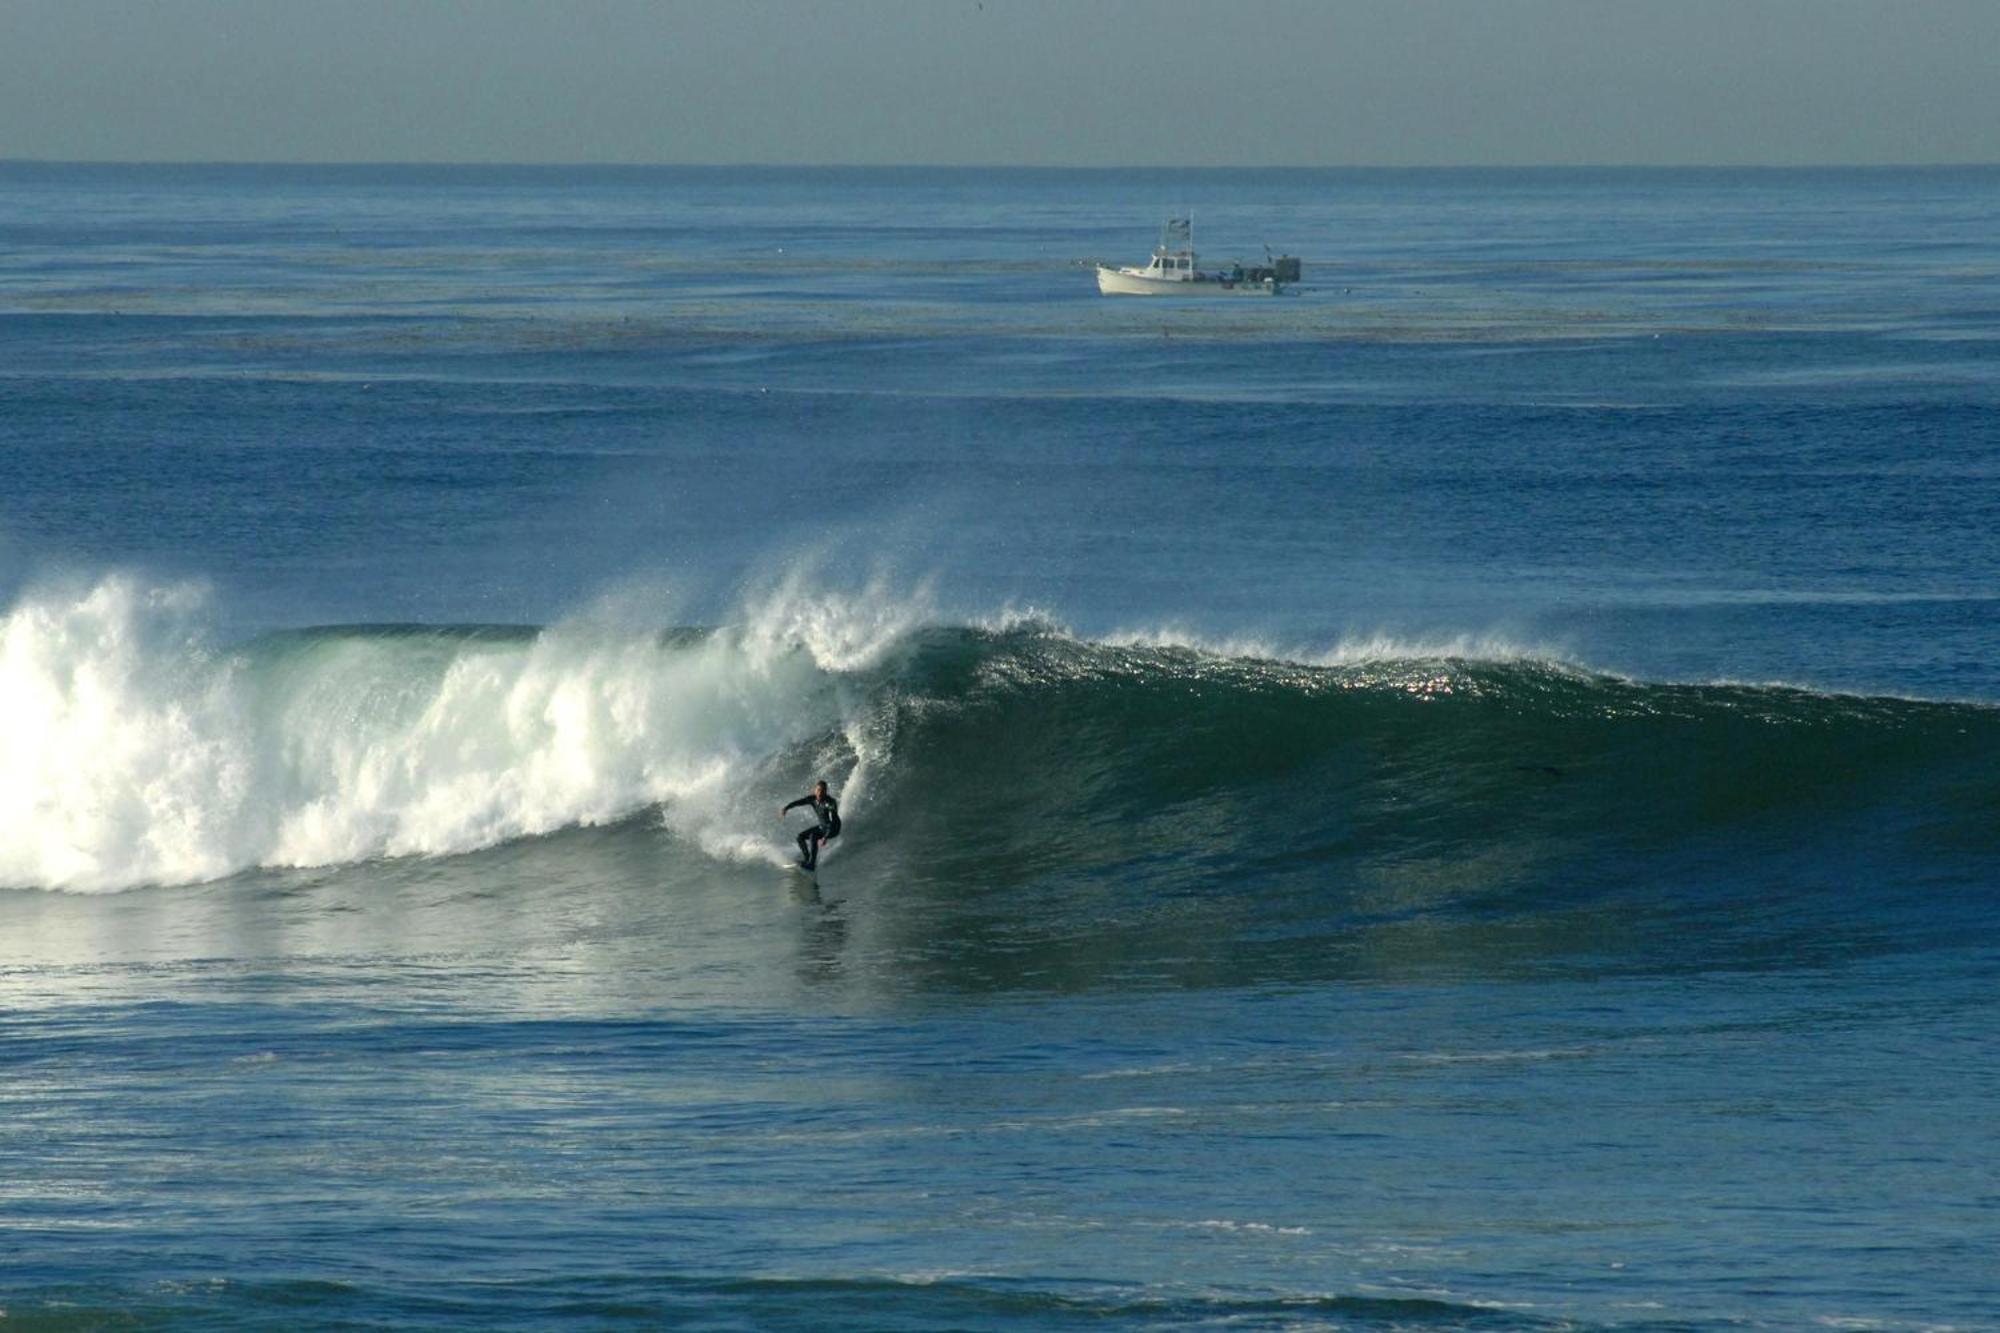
827	810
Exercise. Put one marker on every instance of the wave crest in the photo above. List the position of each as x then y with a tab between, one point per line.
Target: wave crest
144	753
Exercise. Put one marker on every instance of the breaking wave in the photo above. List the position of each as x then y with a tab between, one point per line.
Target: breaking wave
143	752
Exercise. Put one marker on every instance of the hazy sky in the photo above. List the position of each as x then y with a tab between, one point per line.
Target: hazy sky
1059	82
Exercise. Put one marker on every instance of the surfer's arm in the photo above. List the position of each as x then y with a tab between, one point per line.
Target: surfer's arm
803	800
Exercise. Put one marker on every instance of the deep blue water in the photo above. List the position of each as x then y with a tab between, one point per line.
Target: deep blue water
1459	796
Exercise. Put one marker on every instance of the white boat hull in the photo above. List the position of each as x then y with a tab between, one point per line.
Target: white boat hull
1124	282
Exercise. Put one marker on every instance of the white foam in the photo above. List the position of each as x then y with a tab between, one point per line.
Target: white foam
1253	1228
842	630
141	753
1357	650
120	761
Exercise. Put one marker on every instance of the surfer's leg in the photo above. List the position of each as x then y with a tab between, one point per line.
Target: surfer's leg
805	847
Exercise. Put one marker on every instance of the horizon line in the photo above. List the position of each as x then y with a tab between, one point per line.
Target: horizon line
509	164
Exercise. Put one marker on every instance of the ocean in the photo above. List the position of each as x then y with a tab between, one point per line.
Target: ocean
1463	795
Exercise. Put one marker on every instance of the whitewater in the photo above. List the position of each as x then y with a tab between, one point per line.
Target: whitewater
1460	798
151	753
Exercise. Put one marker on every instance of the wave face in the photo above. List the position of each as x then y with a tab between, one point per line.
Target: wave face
144	754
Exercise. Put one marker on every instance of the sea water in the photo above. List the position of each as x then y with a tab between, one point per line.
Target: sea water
1462	795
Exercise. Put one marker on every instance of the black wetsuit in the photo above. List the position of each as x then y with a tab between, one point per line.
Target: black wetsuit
827	811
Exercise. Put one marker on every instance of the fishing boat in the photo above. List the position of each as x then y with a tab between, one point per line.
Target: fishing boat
1172	271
